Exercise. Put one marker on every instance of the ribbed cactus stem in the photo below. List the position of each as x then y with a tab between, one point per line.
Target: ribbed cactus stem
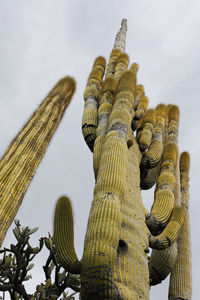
181	277
110	252
152	158
131	271
139	93
64	236
171	231
147	130
161	264
149	176
106	102
153	155
120	40
121	65
142	108
92	97
164	194
19	163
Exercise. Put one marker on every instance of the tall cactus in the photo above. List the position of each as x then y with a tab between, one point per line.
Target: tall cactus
120	230
19	163
133	148
115	263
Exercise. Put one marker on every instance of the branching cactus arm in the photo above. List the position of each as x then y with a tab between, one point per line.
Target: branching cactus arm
166	187
19	163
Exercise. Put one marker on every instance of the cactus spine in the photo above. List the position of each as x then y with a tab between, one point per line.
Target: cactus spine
19	163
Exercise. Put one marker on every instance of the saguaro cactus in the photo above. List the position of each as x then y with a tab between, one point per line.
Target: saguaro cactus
133	149
19	163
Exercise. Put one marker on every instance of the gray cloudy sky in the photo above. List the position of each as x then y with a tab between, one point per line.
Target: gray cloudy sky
44	40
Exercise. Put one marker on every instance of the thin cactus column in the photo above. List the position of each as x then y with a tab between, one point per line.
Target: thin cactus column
181	277
19	163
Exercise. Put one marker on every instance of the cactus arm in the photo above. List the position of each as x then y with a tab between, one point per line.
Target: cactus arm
103	117
161	264
151	161
148	177
164	194
181	278
91	97
153	155
173	124
121	65
118	63
147	130
171	231
142	108
168	186
19	163
110	69
64	236
139	93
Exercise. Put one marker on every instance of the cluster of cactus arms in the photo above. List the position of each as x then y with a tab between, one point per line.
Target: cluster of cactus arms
134	148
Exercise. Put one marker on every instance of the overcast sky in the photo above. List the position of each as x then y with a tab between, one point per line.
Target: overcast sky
44	40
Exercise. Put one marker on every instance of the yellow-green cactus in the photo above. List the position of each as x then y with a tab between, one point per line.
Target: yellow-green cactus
142	108
121	65
115	263
153	155
19	163
139	93
164	194
91	96
148	177
181	277
64	235
171	231
117	184
147	130
161	264
110	70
